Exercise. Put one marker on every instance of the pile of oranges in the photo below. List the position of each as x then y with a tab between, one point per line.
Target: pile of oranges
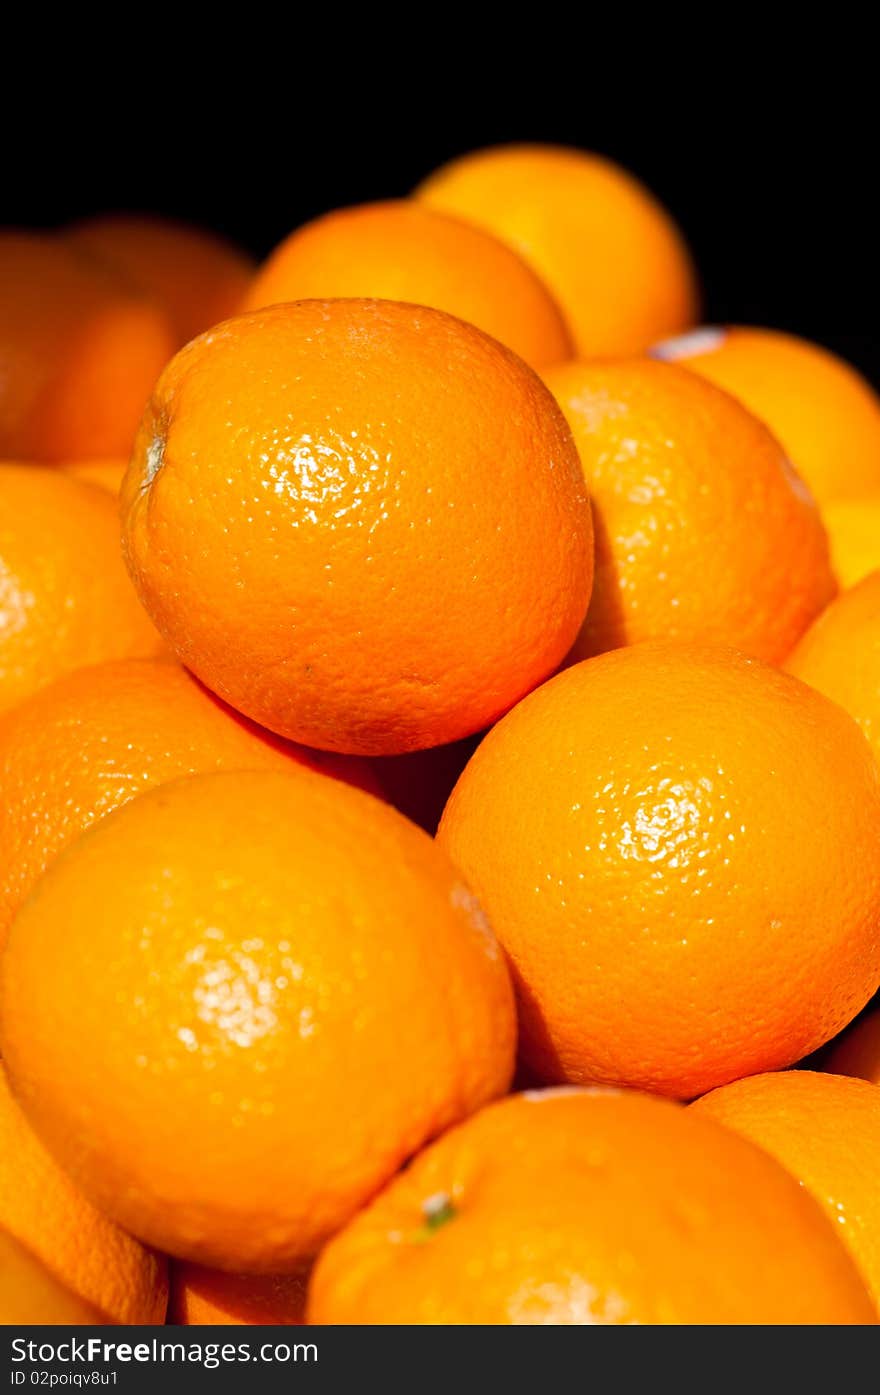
439	799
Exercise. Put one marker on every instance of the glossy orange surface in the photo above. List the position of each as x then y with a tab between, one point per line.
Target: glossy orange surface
679	848
363	524
281	991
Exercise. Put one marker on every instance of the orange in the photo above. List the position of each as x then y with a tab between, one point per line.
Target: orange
703	531
840	655
857	1052
240	1002
679	849
853	527
80	349
364	524
402	251
606	248
826	415
826	1130
195	275
65	600
97	737
29	1294
208	1297
108	473
589	1208
42	1209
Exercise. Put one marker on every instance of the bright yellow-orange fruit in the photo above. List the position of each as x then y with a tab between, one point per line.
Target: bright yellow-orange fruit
280	974
610	253
679	849
826	1130
90	1256
80	349
30	1294
364	524
825	414
703	530
853	527
589	1208
402	251
65	600
196	276
208	1297
857	1052
98	737
840	655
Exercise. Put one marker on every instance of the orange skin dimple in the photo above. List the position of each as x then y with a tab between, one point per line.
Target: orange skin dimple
80	350
208	1297
65	600
840	655
826	1130
824	413
606	248
361	523
589	1208
679	849
42	1209
282	975
30	1295
857	1052
703	530
102	735
197	277
402	251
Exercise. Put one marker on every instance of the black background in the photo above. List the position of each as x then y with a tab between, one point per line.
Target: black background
764	153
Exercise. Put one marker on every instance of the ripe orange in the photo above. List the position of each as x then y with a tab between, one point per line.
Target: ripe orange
42	1209
102	735
29	1294
80	349
108	473
208	1297
853	527
857	1052
65	599
593	1208
679	849
825	414
364	524
840	655
826	1130
280	975
402	251
703	532
196	276
606	248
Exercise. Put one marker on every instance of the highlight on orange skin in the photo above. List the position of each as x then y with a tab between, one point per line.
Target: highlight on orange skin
443	540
